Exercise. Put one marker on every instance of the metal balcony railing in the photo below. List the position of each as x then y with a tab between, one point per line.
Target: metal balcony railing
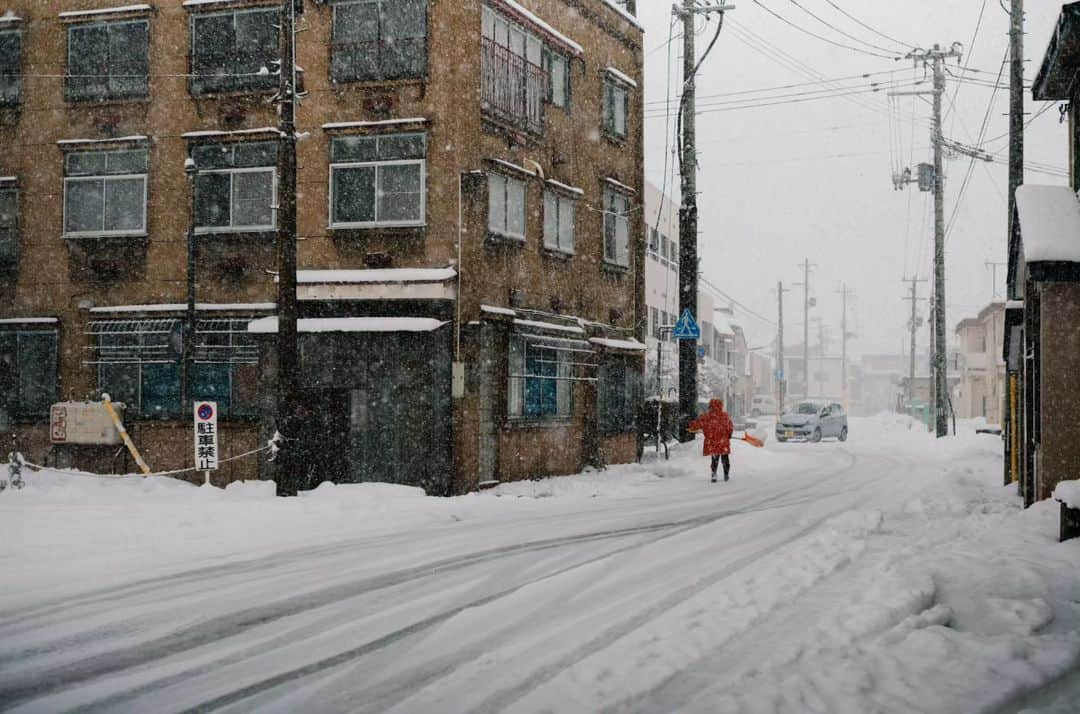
514	89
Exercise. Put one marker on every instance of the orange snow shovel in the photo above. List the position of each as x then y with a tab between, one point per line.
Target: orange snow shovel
753	441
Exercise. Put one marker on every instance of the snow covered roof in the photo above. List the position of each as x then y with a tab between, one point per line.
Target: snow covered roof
626	14
388	275
237	132
531	18
180	307
564	187
113	140
269	325
512	167
1049	223
29	321
365	124
504	311
549	326
619	185
620	76
633	345
721	325
141	7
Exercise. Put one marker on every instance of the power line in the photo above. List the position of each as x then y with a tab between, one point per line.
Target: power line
797	85
834	28
857	21
786	21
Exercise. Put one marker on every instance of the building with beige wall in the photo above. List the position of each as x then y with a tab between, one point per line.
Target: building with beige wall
980	367
470	186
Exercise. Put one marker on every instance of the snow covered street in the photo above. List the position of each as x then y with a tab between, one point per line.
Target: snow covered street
892	573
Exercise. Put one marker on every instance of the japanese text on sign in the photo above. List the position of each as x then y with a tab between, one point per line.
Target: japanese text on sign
206	436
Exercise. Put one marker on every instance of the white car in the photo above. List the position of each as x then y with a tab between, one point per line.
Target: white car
762	405
813	421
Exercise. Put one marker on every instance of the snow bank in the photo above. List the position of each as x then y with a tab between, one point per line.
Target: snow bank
1068	492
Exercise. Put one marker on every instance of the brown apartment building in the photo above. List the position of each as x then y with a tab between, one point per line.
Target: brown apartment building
471	246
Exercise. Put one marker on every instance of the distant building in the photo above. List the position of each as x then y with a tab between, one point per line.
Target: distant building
981	369
880	382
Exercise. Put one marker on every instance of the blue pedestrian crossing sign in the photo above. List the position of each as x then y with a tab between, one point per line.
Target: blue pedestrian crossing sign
687	328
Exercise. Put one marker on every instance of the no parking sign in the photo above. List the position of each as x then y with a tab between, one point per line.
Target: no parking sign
206	437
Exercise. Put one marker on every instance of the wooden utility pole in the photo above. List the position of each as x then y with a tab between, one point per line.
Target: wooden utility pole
1016	178
1016	104
288	368
688	214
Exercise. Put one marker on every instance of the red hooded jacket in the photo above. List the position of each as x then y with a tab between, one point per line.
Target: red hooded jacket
717	427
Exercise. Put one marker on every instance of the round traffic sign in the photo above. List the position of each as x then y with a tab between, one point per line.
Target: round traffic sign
206	412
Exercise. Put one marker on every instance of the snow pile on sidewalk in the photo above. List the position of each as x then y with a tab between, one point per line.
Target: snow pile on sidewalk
1068	492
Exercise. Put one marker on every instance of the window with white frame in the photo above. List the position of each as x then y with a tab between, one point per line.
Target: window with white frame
540	379
558	68
235	186
108	60
379	40
234	51
506	206
105	192
10	64
560	214
378	181
616	227
616	107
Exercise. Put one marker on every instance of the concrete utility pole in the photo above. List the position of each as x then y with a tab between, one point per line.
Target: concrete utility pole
913	325
806	266
936	58
688	214
844	292
781	372
288	369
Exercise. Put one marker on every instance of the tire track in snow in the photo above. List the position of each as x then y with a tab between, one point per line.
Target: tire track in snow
53	680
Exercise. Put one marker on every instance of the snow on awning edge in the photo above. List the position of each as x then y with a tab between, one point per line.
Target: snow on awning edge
269	325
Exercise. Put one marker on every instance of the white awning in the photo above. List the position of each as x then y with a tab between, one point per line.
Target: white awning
29	321
629	345
386	284
269	325
1049	223
388	276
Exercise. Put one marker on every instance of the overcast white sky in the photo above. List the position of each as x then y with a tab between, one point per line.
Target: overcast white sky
812	179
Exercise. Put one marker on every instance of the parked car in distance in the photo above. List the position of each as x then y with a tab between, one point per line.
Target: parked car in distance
812	420
762	405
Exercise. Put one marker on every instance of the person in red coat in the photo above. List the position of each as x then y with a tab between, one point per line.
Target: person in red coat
718	428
